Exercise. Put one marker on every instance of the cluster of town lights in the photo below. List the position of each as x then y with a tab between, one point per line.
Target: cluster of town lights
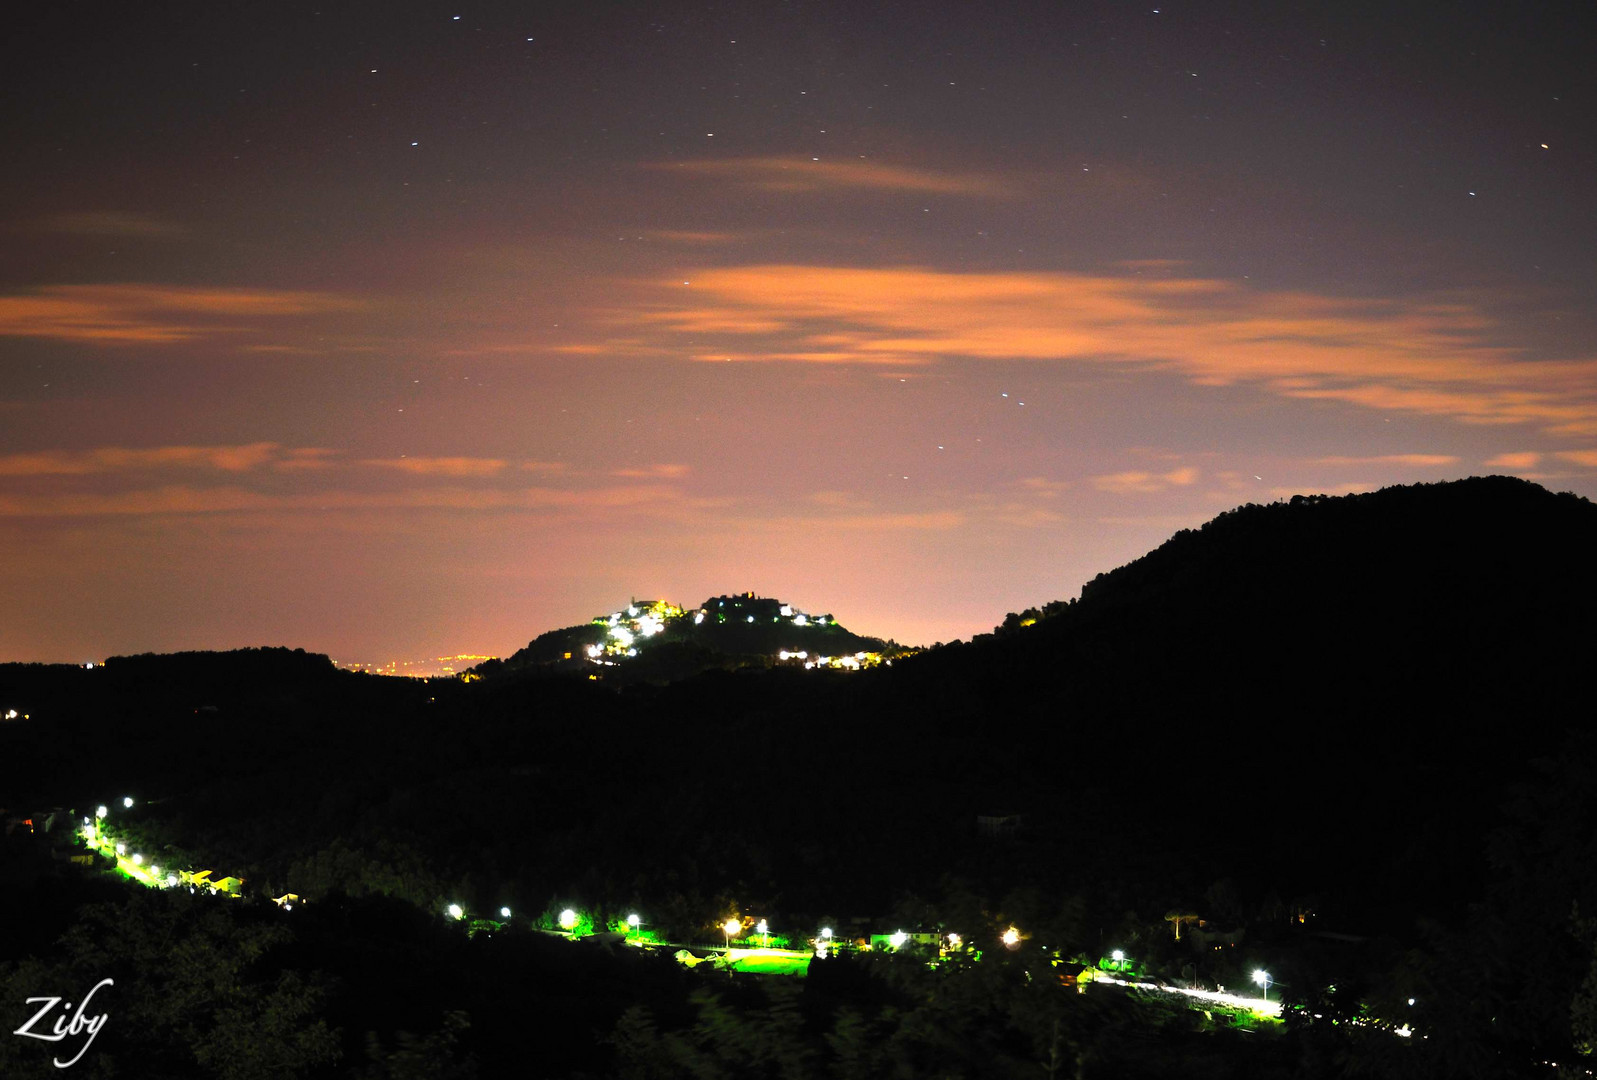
133	864
625	629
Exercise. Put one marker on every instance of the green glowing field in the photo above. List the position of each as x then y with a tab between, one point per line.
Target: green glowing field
771	962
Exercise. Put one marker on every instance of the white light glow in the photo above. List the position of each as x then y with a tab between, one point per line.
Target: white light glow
1236	1001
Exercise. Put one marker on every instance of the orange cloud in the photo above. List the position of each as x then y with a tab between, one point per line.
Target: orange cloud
800	174
1145	483
441	466
1409	355
166	500
685	236
150	314
1579	457
655	472
306	459
1523	459
182	500
1043	486
118	458
1419	461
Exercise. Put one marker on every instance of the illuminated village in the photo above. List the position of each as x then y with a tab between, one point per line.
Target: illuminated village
742	630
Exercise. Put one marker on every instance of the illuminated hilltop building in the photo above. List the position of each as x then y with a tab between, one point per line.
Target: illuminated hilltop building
661	640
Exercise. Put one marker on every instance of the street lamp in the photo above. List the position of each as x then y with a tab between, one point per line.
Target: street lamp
504	913
765	932
1262	977
568	920
1011	937
100	812
730	928
127	802
634	922
898	939
456	911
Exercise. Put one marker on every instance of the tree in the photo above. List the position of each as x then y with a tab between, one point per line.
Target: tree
194	992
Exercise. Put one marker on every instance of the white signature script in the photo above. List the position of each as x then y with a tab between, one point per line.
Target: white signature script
65	1026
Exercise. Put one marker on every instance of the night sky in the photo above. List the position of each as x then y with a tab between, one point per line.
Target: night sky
402	330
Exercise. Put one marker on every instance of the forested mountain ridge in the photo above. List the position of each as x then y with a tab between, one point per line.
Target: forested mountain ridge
1486	577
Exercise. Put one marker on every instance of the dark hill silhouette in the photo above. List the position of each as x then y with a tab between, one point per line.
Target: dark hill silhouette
1370	672
1483	585
726	632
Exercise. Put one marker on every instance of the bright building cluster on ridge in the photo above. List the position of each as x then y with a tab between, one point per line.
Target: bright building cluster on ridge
657	639
637	621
